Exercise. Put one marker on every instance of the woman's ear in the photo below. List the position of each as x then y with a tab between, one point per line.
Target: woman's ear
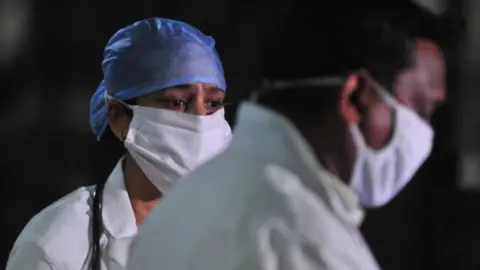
118	120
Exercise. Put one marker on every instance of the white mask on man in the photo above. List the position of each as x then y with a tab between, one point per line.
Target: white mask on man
379	175
167	145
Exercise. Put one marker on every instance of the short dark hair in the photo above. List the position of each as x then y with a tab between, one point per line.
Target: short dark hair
446	32
324	47
317	47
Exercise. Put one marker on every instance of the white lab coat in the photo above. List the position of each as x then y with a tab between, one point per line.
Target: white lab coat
265	203
60	236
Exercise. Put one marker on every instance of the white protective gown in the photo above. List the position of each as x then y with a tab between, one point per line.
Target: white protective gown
60	236
265	203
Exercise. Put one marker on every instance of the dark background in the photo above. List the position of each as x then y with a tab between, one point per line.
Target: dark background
50	66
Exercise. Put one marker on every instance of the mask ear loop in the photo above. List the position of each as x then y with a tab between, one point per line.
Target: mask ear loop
387	97
108	98
384	94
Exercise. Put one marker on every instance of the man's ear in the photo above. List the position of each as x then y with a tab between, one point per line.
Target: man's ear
357	96
118	119
348	109
366	95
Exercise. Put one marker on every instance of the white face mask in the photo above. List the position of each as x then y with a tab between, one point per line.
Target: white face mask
167	145
379	175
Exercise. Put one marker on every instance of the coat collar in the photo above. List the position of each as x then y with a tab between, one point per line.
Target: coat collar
118	217
263	132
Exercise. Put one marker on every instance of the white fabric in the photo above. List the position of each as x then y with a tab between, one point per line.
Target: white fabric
168	144
264	203
59	237
379	175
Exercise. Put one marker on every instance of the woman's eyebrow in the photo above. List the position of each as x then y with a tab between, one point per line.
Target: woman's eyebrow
213	89
184	86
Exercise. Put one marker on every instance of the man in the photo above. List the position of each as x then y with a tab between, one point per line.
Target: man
400	224
285	194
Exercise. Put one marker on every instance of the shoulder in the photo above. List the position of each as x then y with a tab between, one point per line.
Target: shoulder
56	227
304	208
296	202
31	256
303	221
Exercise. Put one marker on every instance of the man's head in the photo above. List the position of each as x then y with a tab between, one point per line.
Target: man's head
420	86
369	126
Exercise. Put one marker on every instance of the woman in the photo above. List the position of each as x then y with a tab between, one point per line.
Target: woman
162	96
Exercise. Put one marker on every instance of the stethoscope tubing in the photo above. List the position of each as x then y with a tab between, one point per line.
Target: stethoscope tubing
97	227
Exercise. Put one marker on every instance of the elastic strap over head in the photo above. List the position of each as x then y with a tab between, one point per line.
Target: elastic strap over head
269	86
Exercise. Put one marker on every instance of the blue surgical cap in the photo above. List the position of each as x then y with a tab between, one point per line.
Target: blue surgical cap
151	55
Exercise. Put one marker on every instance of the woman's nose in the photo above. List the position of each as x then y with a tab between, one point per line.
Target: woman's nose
197	106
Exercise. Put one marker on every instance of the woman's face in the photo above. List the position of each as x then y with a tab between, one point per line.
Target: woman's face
194	98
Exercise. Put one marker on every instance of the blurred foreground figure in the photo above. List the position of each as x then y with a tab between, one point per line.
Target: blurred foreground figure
325	134
162	99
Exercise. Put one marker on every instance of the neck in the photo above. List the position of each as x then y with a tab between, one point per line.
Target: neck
143	194
335	164
331	151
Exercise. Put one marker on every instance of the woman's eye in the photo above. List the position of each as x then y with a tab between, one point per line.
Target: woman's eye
179	103
174	104
214	104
